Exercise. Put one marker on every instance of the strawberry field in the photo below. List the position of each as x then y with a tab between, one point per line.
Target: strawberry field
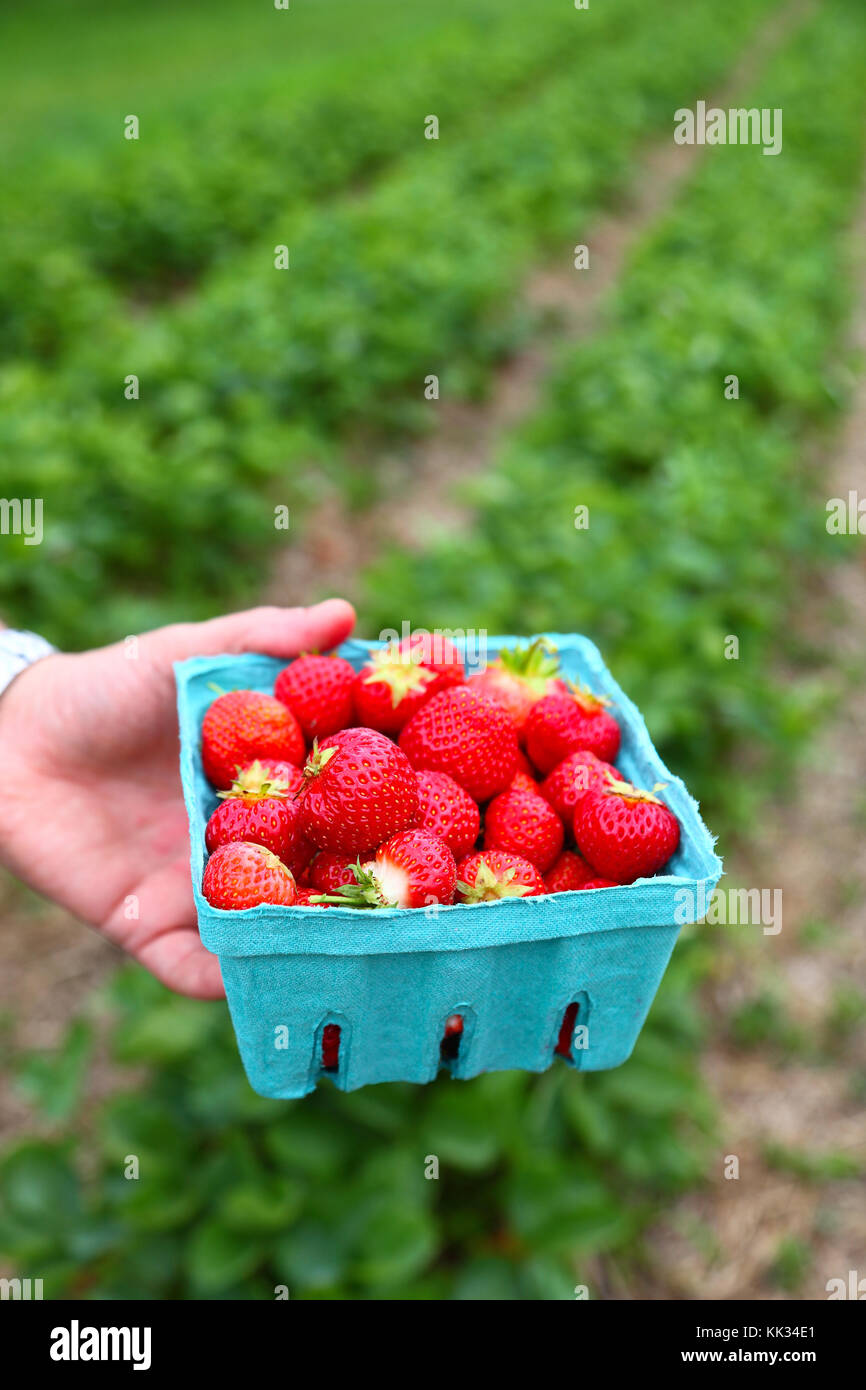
261	388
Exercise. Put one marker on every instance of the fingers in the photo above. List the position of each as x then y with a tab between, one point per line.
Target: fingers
281	632
178	959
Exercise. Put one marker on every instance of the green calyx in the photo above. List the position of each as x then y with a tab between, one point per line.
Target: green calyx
588	701
252	784
318	759
630	793
488	884
534	665
365	892
401	671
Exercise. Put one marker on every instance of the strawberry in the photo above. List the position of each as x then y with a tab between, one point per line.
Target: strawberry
241	875
567	873
522	782
413	869
329	871
519	678
470	738
318	691
448	811
284	777
308	897
572	779
360	790
449	1047
600	883
243	725
623	833
563	724
494	874
390	688
330	1043
255	811
438	654
524	823
565	1040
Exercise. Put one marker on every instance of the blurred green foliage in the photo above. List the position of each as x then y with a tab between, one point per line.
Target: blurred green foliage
701	511
704	513
163	506
236	1195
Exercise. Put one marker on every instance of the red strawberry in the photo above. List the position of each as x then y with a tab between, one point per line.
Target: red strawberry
284	777
563	724
572	779
493	873
318	691
328	871
569	872
241	875
623	833
307	897
244	725
524	823
522	782
390	688
330	1042
414	869
360	790
600	883
448	811
453	1026
261	815
438	654
518	679
468	737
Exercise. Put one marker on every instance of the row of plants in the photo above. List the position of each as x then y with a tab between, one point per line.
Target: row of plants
702	506
162	505
205	176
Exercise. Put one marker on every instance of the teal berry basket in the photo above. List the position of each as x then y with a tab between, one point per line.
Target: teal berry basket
515	970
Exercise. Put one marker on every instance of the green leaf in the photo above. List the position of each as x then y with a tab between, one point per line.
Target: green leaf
310	1257
261	1205
53	1081
217	1258
39	1187
394	1243
171	1031
487	1280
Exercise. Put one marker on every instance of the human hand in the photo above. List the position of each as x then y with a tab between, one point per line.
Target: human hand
92	814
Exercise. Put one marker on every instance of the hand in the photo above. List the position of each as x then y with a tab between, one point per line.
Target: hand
91	812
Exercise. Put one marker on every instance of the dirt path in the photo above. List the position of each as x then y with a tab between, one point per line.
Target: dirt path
418	483
814	849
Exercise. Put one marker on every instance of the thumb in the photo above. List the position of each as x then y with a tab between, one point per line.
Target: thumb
272	631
